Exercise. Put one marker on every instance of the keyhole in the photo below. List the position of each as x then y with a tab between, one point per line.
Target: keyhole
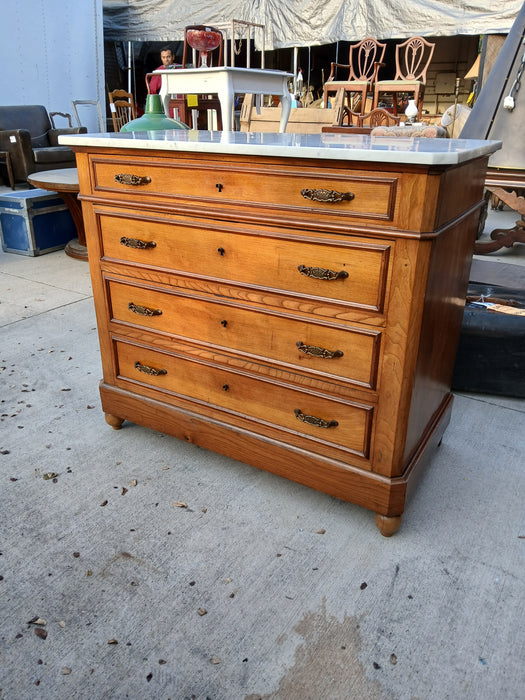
220	251
219	186
225	387
224	323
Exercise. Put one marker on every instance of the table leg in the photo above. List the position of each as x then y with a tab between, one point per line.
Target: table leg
77	247
286	106
225	94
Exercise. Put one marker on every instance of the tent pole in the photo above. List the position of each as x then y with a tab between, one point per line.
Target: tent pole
129	66
295	58
309	68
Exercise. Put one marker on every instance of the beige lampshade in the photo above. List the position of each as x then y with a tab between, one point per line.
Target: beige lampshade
474	71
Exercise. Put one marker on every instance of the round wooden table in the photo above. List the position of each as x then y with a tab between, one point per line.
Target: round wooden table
65	182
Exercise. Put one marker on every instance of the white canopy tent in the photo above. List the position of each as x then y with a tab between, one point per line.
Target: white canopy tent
297	23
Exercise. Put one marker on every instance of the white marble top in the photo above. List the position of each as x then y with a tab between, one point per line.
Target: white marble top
221	69
417	151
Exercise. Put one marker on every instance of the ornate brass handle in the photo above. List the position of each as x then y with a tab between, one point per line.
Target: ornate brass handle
329	196
320	273
143	310
136	243
145	369
129	179
312	420
318	352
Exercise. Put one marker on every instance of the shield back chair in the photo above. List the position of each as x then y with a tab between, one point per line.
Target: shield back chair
365	59
412	61
122	107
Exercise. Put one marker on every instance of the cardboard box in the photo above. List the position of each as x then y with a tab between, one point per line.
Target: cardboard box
33	222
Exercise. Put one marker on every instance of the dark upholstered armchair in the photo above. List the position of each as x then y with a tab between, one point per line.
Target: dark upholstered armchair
27	135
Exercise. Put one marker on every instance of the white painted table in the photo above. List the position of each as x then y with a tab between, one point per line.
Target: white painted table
226	82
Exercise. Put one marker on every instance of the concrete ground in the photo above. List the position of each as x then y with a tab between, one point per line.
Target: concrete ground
259	587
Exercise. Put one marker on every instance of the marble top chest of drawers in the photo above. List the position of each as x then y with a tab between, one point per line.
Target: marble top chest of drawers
291	309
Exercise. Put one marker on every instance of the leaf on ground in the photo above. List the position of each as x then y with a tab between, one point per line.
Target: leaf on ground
179	504
49	475
37	621
40	632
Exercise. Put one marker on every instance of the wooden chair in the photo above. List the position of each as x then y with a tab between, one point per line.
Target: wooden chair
90	103
378	117
65	115
122	107
412	60
365	59
362	123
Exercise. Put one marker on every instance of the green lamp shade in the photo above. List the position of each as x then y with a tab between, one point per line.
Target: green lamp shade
153	118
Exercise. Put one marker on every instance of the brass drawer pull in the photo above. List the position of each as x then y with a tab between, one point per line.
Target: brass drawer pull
319	273
318	352
137	243
128	179
329	196
312	420
145	369
143	310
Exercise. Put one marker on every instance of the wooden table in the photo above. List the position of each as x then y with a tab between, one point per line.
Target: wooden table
65	182
226	82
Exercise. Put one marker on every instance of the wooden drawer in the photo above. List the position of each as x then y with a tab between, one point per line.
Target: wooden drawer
329	425
351	272
349	354
309	193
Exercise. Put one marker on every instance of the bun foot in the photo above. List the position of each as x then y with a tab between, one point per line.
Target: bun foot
114	421
388	525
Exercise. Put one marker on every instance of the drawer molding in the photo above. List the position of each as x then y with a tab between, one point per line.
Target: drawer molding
268	402
363	195
236	328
